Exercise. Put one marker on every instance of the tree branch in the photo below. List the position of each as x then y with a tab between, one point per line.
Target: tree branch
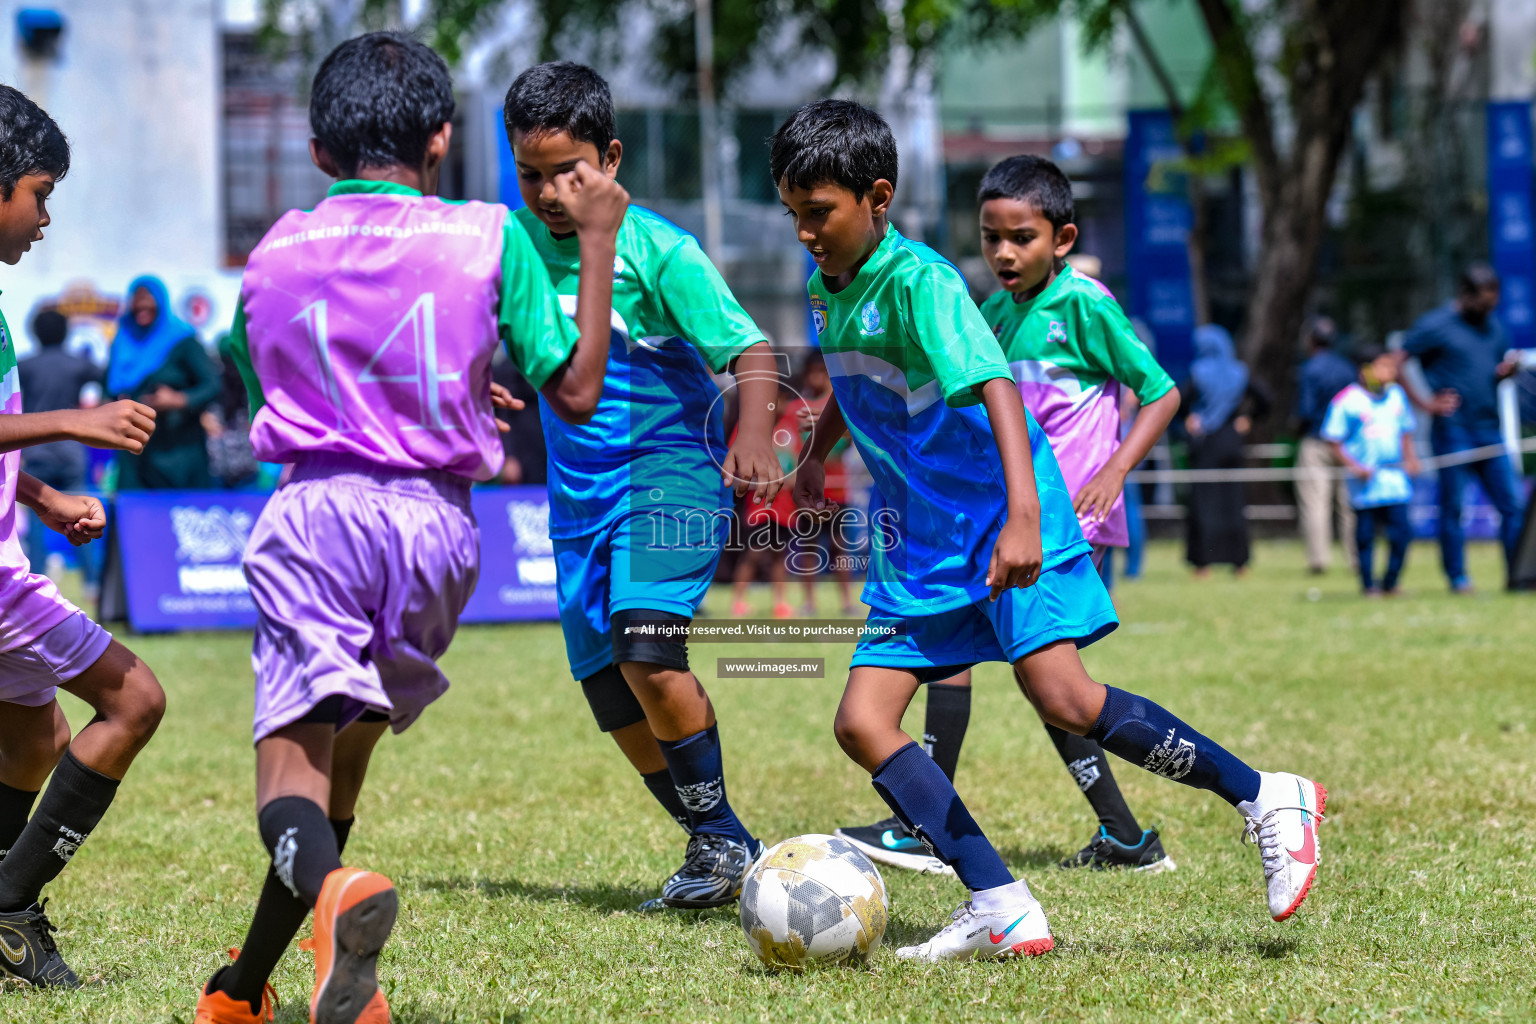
1235	60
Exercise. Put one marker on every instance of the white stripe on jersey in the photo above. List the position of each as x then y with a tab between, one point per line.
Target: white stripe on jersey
887	375
10	386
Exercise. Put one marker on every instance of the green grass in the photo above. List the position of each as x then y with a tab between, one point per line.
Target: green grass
521	841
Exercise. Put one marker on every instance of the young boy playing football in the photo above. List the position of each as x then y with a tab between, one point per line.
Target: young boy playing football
1071	350
365	334
46	643
985	560
637	503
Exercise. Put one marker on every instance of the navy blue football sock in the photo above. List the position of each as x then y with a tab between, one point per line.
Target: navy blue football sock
922	796
1144	733
698	773
661	787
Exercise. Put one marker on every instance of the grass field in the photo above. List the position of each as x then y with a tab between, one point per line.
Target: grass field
521	841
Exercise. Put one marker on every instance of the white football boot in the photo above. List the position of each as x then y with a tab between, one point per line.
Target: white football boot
1283	822
1020	930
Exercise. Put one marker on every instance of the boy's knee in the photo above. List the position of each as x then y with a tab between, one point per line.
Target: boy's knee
850	736
59	741
1065	707
143	706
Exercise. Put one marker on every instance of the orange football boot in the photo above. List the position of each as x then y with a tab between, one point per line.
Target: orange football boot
353	920
217	1008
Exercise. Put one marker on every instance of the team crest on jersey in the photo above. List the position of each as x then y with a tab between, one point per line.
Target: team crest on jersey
619	266
1057	332
869	320
819	314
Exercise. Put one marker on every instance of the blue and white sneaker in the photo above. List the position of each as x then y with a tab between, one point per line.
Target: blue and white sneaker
1104	851
889	842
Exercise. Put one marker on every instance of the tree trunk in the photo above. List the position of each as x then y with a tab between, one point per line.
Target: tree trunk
1332	47
1292	234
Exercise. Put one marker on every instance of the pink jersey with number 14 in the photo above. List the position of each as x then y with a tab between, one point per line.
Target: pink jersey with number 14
372	321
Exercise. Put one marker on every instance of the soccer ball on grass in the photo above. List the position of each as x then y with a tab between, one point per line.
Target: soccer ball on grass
813	899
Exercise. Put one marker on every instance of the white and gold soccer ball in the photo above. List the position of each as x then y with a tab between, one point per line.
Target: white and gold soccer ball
813	899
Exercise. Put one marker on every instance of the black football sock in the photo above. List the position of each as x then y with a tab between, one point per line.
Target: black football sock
665	791
302	844
1089	766
15	805
71	807
944	725
279	916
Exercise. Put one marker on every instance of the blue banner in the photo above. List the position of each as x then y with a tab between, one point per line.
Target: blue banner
517	560
1157	222
182	552
1511	225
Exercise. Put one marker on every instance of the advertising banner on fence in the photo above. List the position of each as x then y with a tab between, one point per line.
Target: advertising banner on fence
517	560
1157	222
1511	219
182	552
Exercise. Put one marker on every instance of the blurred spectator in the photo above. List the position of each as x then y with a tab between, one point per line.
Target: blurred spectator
1370	425
158	360
527	458
1220	404
50	380
1323	374
1462	350
806	558
227	422
762	534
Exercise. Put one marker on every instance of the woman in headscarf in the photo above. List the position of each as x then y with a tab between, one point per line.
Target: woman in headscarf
157	359
1220	404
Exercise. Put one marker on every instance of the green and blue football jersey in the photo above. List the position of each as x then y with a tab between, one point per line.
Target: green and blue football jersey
657	439
907	350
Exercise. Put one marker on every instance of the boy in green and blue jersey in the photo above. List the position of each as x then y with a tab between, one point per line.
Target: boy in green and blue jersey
981	557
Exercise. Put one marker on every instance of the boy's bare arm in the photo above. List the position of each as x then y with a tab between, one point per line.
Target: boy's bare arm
78	517
597	204
1410	455
1017	555
1096	497
1358	468
752	459
124	424
811	474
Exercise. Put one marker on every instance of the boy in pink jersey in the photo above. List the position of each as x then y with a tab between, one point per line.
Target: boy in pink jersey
365	335
46	643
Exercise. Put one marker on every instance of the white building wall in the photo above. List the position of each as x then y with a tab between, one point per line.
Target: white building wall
136	87
1512	41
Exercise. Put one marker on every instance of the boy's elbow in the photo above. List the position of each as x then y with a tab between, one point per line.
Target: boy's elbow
577	405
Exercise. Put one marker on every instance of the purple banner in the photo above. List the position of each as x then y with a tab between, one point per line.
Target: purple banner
182	553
